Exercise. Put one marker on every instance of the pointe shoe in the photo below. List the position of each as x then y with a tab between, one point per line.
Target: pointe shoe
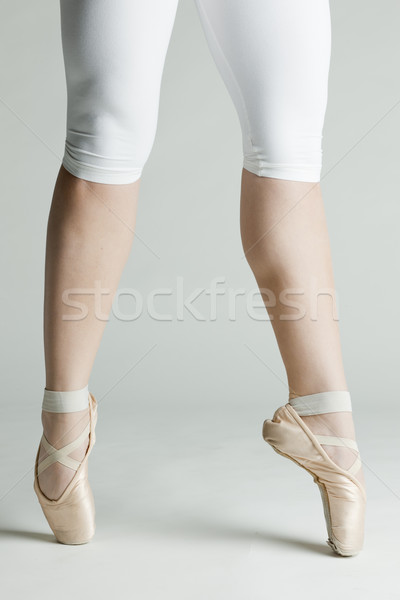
72	516
343	496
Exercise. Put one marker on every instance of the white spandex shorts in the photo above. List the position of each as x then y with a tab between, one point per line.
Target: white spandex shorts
273	56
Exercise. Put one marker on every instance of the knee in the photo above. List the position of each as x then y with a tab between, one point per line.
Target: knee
284	141
281	153
109	133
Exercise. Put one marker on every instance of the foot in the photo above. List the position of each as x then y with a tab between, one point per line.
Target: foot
336	424
61	429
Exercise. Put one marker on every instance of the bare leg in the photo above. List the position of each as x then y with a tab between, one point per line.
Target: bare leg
90	233
286	242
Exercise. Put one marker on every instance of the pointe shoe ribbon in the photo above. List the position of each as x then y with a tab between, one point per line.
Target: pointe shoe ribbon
72	516
342	494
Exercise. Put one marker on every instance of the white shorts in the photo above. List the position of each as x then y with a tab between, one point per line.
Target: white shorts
273	56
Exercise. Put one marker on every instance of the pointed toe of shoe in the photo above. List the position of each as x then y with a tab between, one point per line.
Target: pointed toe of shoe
345	508
343	549
71	518
343	497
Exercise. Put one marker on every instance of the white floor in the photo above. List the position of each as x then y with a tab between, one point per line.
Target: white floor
192	504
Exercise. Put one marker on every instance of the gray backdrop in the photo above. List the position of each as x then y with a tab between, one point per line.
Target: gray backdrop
185	487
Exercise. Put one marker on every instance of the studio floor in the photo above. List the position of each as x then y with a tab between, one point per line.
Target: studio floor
192	504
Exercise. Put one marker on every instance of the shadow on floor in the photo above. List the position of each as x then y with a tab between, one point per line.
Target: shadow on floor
33	535
149	522
196	527
191	530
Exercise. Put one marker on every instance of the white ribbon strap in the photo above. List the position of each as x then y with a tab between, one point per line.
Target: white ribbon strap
61	454
324	402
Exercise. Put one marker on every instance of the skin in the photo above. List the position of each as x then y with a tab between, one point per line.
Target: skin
89	237
286	243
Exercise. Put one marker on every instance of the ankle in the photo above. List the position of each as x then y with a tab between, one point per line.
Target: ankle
64	414
310	390
62	428
329	415
340	424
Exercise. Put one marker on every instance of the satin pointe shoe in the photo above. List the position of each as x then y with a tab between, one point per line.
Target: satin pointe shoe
343	496
72	516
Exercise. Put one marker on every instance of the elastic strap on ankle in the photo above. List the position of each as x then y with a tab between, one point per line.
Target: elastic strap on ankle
324	402
64	402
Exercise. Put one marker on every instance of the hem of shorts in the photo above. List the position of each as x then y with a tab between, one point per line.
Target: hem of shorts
309	174
95	175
